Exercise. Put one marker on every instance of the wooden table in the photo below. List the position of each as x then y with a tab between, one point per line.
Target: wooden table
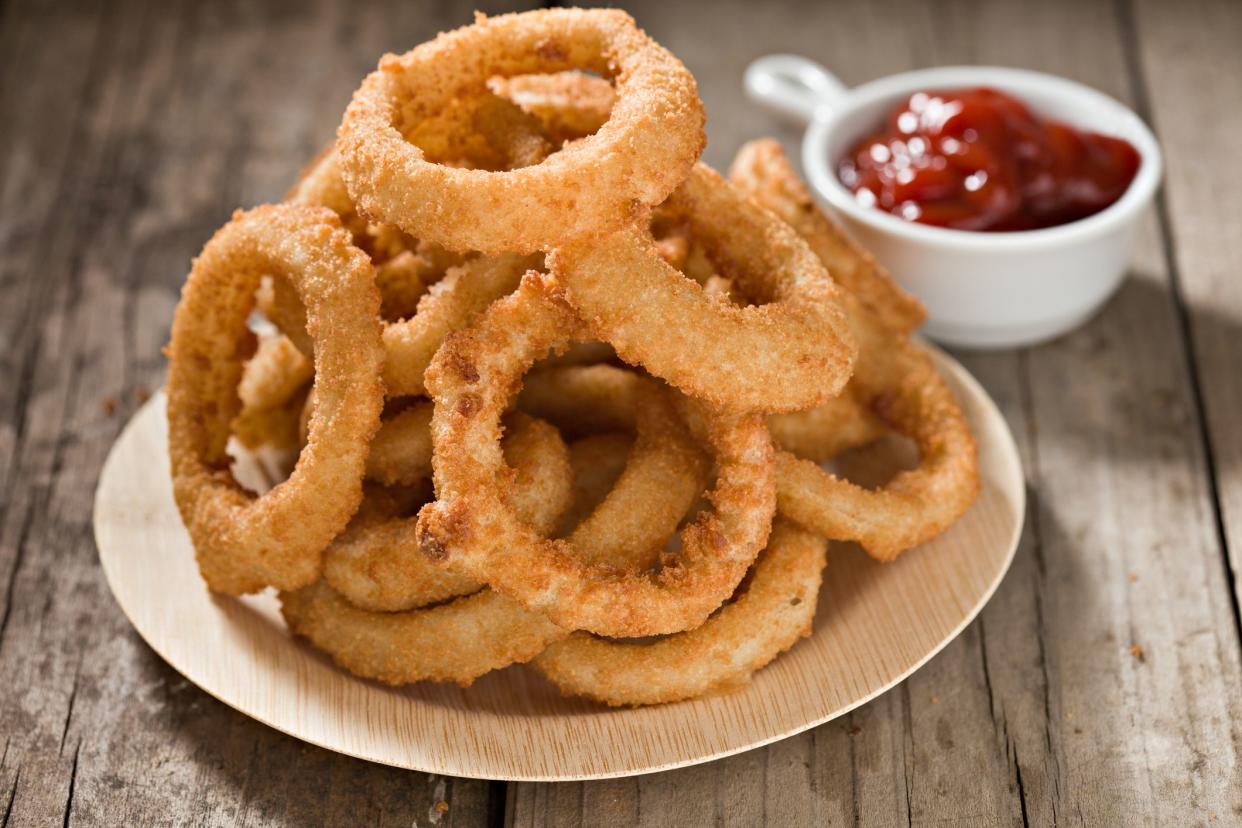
1101	685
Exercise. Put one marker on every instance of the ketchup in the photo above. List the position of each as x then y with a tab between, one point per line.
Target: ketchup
978	159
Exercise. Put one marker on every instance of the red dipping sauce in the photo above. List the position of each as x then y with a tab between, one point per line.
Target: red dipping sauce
978	159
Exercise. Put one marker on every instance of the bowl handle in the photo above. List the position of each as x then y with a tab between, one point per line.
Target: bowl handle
792	86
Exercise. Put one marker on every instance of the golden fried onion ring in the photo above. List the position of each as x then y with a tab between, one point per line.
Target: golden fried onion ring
483	132
376	563
273	387
791	353
471	530
451	303
908	394
582	399
401	451
458	641
464	291
773	610
763	172
569	105
895	385
243	542
823	432
455	641
469	636
652	138
598	461
664	474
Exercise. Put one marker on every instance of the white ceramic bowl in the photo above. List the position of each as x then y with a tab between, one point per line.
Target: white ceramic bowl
982	290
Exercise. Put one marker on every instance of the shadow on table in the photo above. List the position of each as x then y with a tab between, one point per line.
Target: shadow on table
1120	387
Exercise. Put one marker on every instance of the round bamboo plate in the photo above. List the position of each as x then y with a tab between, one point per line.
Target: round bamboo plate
877	623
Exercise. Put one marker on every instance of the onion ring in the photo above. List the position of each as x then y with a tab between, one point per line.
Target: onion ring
402	281
661	478
907	394
464	291
771	613
273	386
582	399
451	303
401	451
569	105
819	434
458	641
243	542
580	353
278	300
464	638
597	461
471	530
664	472
894	386
794	352
762	171
651	140
483	132
376	564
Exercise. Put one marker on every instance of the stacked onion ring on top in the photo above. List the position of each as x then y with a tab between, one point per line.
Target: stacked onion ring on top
550	391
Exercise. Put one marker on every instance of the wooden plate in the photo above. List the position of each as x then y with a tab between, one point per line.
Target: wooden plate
876	625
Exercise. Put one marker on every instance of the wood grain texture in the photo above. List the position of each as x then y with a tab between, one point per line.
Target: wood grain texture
1195	47
875	623
129	130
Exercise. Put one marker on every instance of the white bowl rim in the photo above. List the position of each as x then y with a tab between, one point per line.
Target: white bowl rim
827	118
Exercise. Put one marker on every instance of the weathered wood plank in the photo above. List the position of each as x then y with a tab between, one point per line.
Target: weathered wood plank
1039	712
1189	56
40	165
131	130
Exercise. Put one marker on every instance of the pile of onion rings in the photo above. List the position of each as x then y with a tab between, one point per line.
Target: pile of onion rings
544	387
